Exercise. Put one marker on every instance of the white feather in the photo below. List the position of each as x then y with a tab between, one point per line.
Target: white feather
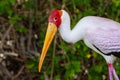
86	24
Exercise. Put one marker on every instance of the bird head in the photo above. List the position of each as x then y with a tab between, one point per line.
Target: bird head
55	17
54	22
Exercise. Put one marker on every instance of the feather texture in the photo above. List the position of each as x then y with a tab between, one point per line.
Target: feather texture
107	41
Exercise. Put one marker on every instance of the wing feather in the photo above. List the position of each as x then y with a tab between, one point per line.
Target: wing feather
107	41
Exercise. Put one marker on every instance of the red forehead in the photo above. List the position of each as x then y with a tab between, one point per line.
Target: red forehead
55	14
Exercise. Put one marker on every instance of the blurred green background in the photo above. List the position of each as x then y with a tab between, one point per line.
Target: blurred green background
22	31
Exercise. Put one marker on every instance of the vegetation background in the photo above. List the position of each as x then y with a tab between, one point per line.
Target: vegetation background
22	30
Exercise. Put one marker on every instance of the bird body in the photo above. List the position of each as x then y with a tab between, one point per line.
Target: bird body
100	34
95	31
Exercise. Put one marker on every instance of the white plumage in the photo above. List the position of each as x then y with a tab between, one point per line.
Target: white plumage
100	34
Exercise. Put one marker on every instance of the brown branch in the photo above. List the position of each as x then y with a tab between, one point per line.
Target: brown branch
9	53
22	44
46	77
5	70
5	35
30	32
19	72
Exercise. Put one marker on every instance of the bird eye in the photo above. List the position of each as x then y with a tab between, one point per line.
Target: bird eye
55	19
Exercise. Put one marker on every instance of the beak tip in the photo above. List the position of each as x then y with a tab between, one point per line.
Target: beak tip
39	68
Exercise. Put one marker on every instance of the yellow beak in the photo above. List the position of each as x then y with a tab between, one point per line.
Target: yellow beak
51	30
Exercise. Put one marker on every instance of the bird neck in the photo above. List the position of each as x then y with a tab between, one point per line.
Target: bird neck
74	35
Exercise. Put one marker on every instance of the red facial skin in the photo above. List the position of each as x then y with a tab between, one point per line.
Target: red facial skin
55	17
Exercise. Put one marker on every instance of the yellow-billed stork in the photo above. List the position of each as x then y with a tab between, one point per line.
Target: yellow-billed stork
100	34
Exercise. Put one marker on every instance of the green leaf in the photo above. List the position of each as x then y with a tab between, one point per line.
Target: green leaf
76	66
12	2
21	28
116	2
89	12
30	66
14	19
57	77
97	68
